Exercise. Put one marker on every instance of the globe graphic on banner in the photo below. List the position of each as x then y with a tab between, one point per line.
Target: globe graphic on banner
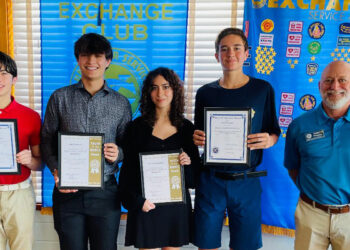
123	81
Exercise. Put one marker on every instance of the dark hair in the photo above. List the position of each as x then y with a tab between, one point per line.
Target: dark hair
92	43
231	31
147	106
8	64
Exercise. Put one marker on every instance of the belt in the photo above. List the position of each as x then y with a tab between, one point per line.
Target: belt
11	187
237	176
327	209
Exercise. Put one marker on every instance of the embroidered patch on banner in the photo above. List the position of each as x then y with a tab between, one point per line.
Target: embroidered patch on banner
307	102
314	135
311	69
314	48
316	30
293	52
286	109
343	41
287	97
344	28
265	39
257	4
294	39
295	26
284	121
267	25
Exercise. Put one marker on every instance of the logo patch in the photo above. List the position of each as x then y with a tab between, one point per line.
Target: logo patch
307	102
343	41
286	110
316	30
314	135
314	48
284	121
295	26
344	28
125	74
293	52
267	25
257	4
287	97
265	39
294	39
311	69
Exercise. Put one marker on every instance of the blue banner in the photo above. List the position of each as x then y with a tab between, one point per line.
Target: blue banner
291	43
144	35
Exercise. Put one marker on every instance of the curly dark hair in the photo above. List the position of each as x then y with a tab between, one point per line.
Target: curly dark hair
147	107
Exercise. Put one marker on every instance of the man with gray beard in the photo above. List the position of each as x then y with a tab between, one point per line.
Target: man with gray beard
317	156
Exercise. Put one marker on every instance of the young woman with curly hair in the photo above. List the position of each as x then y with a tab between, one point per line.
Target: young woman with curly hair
161	127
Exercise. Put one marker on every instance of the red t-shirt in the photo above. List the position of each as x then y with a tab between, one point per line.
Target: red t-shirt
28	126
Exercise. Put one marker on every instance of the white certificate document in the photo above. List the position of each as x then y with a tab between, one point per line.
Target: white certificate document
80	161
162	177
226	136
8	147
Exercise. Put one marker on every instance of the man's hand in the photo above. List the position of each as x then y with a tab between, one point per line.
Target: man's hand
261	140
55	176
24	157
199	138
111	152
30	158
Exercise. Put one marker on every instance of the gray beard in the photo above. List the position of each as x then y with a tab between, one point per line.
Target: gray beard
336	104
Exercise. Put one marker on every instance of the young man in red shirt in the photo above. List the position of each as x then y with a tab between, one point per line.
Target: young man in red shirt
17	200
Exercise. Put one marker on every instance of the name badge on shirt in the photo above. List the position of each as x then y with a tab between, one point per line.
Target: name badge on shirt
314	135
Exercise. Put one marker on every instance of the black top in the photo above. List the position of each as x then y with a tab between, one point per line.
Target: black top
137	137
167	224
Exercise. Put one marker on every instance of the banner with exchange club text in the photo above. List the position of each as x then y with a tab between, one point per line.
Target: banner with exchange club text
291	42
144	35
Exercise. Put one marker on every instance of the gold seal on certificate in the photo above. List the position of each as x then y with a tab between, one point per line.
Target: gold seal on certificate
9	147
226	131
80	161
162	177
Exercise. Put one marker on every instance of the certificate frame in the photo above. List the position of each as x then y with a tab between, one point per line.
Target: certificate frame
180	197
14	168
211	152
95	155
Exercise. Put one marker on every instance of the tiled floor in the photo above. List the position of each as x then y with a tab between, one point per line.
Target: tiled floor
270	242
46	237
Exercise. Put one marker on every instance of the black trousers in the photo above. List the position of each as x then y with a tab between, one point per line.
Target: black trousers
87	216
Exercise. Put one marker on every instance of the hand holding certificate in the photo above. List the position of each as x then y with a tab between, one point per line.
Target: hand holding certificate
80	162
162	177
9	147
226	136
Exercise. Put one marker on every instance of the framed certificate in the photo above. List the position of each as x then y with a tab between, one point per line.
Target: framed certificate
226	132
162	177
9	147
80	161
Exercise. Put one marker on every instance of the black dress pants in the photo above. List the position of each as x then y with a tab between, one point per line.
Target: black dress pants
88	216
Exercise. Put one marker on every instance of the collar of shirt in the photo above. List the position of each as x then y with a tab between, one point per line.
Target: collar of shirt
9	107
323	118
105	88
